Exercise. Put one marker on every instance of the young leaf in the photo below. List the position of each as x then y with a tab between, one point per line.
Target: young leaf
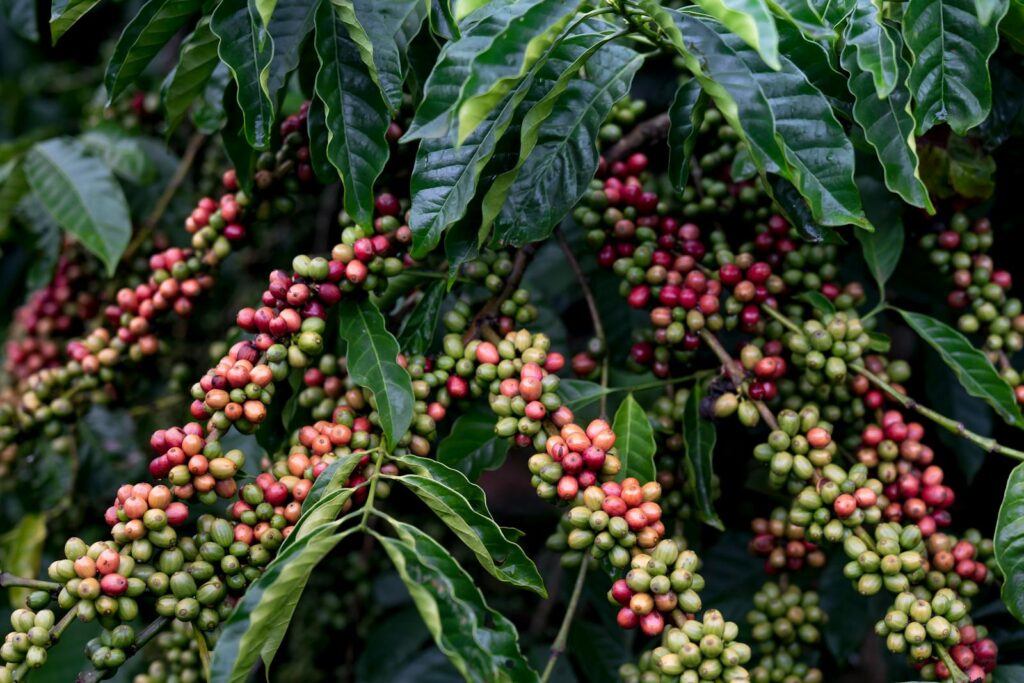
700	435
883	247
247	51
357	120
949	76
480	642
143	37
65	13
1009	542
372	363
289	26
887	123
685	117
503	559
471	446
325	499
391	26
81	194
197	58
634	440
970	365
872	47
752	21
418	327
259	621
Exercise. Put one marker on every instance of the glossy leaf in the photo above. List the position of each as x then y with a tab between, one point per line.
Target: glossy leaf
316	125
209	115
357	120
197	58
372	363
427	467
325	499
259	621
580	393
290	25
247	51
685	117
883	247
391	26
418	326
1009	543
634	440
988	10
471	446
803	15
65	13
799	214
887	123
565	158
145	35
871	47
949	78
81	194
752	21
844	635
819	63
238	149
480	642
443	492
970	365
699	435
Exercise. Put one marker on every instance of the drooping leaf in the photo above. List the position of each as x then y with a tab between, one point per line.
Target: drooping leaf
232	134
471	446
988	10
372	363
480	642
752	21
418	327
883	247
803	15
1009	543
81	194
357	120
887	123
634	440
21	550
289	26
391	26
565	158
945	395
143	37
799	214
247	51
442	20
970	365
325	499
871	47
699	435
446	491
580	393
65	13
949	77
259	621
685	116
197	58
123	153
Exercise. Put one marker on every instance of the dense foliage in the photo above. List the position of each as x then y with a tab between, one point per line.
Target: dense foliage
547	340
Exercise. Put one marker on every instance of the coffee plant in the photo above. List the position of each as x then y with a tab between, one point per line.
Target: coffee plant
522	340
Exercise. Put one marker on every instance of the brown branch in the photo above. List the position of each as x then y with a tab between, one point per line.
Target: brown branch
645	133
491	308
736	374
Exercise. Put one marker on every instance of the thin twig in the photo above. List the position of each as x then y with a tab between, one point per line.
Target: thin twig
8	579
644	133
736	374
493	305
558	647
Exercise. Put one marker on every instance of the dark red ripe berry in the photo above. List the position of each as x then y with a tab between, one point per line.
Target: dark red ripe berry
387	204
276	493
457	387
639	296
949	239
636	163
621	592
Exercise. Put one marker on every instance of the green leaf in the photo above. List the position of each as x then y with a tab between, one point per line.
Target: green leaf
685	114
471	446
445	491
879	342
13	186
209	115
796	210
844	634
391	26
325	500
480	642
120	151
1009	542
752	21
143	37
801	14
634	440
242	156
65	13
970	365
81	194
1008	674
197	58
818	301
442	20
787	122
743	167
21	551
871	47
357	120
949	77
316	125
534	25
247	51
699	436
883	247
819	62
372	363
988	10
259	621
291	23
265	11
580	393
47	240
559	168
887	123
971	170
418	327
